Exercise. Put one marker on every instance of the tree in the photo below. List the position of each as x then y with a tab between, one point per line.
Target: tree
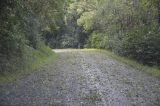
22	23
131	27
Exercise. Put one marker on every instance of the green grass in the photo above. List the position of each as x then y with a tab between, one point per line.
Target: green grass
35	60
155	70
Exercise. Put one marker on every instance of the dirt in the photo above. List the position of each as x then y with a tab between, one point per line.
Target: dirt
83	78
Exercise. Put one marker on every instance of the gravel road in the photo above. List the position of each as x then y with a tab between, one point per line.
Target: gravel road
83	78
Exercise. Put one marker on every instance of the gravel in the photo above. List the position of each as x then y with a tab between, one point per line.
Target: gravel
83	78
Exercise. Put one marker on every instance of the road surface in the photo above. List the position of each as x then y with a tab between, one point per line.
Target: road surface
83	78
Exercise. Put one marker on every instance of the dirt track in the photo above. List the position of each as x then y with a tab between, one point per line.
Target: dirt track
83	78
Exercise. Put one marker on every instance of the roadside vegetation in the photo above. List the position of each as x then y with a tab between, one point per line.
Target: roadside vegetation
22	27
129	28
154	70
34	60
29	28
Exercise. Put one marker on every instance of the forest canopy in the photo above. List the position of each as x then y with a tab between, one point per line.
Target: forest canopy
127	27
22	27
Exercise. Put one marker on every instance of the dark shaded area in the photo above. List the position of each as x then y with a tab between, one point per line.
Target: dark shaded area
21	25
128	28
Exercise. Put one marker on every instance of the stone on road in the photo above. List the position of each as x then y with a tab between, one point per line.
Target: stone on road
83	78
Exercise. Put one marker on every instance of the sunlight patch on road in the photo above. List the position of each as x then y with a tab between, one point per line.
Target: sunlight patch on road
71	50
64	50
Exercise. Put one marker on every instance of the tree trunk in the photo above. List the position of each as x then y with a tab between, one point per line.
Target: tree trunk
159	13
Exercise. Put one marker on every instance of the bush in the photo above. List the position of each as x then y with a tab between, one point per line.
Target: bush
98	40
142	44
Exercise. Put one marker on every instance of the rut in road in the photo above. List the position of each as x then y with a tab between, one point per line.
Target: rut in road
83	78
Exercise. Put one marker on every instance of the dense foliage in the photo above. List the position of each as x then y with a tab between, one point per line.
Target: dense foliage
127	27
22	27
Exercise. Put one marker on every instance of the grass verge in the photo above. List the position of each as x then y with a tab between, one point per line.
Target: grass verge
154	70
33	61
